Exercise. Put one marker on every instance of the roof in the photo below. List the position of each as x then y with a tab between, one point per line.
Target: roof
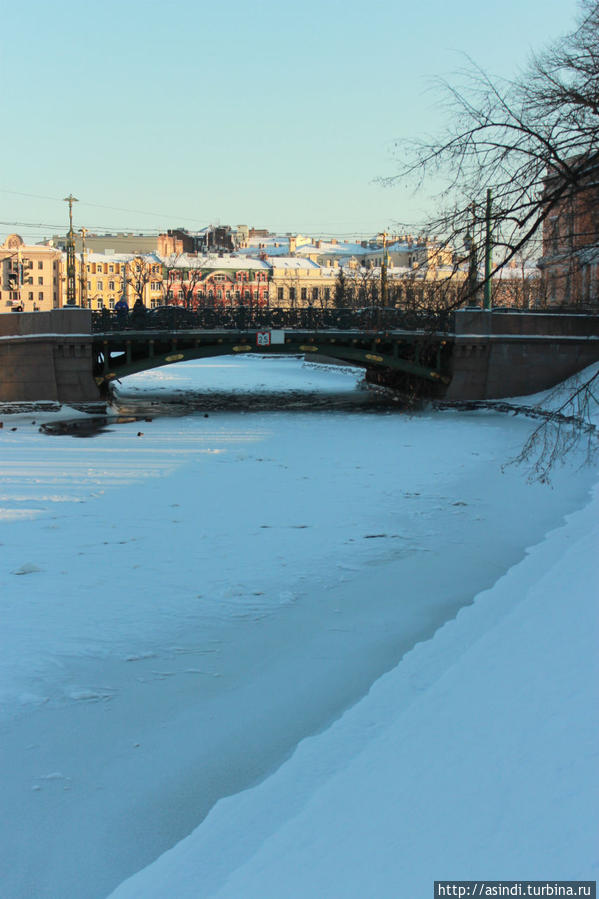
293	262
214	261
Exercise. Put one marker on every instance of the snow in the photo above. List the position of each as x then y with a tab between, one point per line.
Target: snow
213	260
291	654
475	758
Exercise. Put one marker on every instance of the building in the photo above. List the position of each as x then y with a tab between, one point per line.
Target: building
570	262
134	244
107	278
215	280
300	282
30	276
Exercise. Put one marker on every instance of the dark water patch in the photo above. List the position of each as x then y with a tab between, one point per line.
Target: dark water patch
84	427
127	409
189	402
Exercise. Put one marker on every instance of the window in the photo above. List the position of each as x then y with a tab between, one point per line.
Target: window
100	285
30	295
292	293
554	237
39	265
99	304
304	293
40	295
327	293
89	285
111	285
111	302
315	293
40	280
280	293
111	268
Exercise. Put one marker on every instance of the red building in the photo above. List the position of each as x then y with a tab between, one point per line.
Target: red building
570	262
229	280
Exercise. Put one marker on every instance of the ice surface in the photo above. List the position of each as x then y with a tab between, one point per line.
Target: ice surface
202	599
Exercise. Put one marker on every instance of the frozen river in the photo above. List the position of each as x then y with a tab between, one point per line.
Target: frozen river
187	598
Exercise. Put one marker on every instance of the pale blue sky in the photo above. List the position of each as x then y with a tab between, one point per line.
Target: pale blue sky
270	114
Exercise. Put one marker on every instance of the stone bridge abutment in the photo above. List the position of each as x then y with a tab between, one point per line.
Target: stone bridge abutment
47	356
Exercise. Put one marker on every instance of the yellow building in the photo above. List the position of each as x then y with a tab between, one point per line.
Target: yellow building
300	282
30	276
109	278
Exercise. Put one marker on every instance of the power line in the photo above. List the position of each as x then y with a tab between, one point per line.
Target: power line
162	215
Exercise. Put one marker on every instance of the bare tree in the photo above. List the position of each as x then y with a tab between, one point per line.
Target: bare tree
532	141
139	272
191	278
168	280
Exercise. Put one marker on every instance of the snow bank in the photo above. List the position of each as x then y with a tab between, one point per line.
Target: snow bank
476	758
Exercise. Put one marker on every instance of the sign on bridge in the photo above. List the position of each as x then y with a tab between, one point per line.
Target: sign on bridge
266	338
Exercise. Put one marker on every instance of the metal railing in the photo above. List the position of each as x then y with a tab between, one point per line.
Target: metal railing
176	318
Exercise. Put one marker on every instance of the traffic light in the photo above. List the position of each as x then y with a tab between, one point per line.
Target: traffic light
13	281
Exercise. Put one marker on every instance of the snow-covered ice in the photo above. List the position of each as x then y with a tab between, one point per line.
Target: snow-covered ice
376	644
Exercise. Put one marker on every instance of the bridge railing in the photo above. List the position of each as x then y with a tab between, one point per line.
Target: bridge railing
175	318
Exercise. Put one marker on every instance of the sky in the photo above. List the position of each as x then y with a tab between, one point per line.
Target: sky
269	114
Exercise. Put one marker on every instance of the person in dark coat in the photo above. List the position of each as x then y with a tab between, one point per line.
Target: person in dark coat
138	313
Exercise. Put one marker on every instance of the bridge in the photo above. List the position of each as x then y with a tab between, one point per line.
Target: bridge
72	355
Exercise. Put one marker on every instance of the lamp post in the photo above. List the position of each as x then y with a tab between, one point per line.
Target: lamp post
488	253
71	276
471	249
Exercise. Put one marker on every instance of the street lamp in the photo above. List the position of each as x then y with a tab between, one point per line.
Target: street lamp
471	249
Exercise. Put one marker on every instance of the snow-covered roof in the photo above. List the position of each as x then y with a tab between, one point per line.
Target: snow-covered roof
293	262
338	249
214	261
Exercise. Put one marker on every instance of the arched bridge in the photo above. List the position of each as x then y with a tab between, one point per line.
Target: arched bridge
72	355
392	345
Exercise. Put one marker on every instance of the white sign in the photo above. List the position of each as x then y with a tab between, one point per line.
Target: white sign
266	338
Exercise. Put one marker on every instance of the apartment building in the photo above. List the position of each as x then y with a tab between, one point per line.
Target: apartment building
109	277
570	262
30	276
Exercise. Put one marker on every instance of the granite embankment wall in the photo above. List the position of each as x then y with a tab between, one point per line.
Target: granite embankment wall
47	356
502	354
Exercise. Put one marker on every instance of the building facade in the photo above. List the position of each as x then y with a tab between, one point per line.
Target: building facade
570	261
30	276
104	279
215	280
